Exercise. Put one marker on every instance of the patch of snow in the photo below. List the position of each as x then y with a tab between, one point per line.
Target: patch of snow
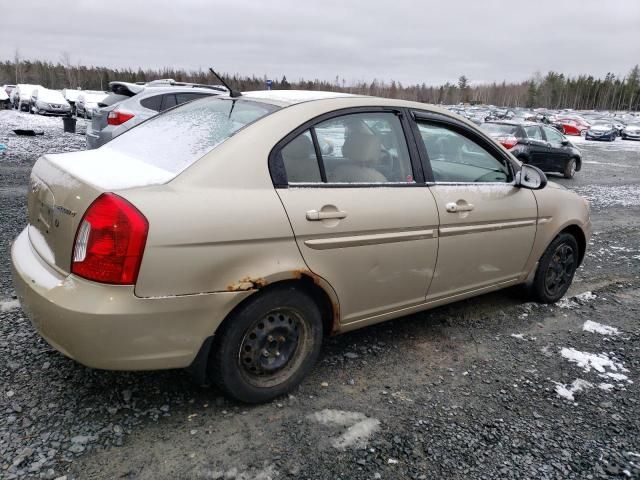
620	377
599	362
595	327
602	196
360	427
605	386
519	336
576	386
6	305
104	169
576	300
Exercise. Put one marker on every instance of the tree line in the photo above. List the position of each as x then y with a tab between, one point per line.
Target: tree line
553	90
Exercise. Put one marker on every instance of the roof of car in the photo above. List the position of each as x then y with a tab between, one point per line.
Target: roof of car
291	97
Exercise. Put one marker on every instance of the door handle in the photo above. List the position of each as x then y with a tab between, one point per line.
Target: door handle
315	215
453	207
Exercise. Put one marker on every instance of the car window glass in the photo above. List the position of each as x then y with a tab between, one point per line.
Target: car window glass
300	161
152	103
178	138
187	97
533	132
455	158
168	101
553	136
364	148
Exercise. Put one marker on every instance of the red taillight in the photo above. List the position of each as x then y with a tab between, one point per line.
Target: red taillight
117	117
508	142
110	241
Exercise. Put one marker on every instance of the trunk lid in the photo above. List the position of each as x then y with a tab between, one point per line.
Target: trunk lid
63	186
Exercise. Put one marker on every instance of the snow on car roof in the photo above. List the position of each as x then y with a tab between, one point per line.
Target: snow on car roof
293	96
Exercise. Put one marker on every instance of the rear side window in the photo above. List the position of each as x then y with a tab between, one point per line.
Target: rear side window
300	161
168	101
357	148
187	97
455	158
152	103
176	139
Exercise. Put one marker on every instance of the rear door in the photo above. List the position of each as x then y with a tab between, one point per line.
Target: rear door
558	154
363	219
487	224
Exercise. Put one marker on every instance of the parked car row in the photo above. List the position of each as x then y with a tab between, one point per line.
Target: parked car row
568	122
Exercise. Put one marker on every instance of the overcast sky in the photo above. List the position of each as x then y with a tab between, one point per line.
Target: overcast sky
406	40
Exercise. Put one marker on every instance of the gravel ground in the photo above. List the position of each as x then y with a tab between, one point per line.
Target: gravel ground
493	387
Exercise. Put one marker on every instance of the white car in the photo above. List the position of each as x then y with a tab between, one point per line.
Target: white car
87	103
21	96
49	102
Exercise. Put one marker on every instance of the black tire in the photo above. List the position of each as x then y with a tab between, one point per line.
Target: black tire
570	168
267	346
556	269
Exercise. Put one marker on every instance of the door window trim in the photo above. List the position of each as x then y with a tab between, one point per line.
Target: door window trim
460	128
276	163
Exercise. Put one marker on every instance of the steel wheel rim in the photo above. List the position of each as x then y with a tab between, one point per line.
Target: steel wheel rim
273	347
560	270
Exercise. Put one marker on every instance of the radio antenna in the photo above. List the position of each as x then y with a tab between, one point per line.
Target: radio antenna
232	93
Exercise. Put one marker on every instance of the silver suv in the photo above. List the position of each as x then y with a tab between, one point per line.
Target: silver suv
130	104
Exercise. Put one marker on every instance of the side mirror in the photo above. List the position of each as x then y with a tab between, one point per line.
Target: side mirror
565	142
531	177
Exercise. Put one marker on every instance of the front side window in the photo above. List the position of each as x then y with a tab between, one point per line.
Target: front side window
533	132
553	136
455	158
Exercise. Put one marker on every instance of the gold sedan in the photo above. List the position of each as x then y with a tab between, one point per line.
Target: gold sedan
229	235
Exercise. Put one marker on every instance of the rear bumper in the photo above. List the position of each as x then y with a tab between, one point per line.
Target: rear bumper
97	139
107	326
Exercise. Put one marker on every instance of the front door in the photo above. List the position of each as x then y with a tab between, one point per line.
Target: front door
538	147
361	220
558	154
487	224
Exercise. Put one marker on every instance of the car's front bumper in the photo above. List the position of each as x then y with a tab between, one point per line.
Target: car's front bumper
108	326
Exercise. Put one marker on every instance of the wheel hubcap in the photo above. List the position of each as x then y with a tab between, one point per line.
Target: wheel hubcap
270	343
560	271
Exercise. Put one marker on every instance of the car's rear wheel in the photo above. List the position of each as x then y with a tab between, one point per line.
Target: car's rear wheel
556	269
267	346
570	168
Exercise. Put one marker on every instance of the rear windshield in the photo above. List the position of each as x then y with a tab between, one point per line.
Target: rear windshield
111	99
177	138
500	129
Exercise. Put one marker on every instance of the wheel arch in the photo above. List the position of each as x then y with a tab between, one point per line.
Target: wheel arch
313	285
576	232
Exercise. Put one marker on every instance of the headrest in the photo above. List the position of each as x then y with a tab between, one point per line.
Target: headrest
362	147
301	146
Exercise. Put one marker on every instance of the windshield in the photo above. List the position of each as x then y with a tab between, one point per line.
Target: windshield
177	138
497	129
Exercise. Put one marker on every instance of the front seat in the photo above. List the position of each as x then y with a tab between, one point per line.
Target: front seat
300	161
364	151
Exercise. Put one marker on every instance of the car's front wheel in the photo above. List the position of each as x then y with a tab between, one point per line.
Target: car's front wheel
556	269
267	346
570	168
